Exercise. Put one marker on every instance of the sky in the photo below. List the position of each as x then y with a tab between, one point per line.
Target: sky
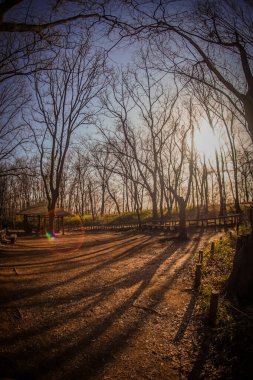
121	55
207	140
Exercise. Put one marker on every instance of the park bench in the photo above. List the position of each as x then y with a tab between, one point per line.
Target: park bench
7	239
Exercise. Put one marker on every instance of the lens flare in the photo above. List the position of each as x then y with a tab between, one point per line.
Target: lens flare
50	236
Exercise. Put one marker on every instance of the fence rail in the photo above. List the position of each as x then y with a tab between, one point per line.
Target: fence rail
171	225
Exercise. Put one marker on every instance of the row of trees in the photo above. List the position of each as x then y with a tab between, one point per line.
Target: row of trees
97	182
142	161
146	115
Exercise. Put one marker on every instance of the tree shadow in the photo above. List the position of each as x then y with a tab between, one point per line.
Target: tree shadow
31	291
90	343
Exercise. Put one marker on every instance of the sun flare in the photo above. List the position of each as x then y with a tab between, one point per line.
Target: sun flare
207	141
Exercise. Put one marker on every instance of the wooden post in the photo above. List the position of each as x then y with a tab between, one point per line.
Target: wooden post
225	224
212	249
198	274
38	225
213	308
200	257
251	218
239	243
237	225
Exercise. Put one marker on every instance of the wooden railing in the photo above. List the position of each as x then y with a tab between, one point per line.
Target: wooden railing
7	238
171	225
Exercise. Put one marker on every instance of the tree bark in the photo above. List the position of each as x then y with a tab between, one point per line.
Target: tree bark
51	226
248	107
240	283
182	233
51	214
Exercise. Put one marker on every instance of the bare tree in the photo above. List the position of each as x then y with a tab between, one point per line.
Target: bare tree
13	132
64	100
55	13
103	162
148	141
138	92
78	190
31	33
183	167
210	43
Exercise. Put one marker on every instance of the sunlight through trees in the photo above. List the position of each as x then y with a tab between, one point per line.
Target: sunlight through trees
165	126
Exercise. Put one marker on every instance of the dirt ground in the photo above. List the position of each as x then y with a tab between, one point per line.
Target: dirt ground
101	306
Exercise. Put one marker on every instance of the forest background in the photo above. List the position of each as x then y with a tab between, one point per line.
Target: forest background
113	107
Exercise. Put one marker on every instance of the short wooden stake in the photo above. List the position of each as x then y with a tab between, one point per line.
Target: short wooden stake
212	248
237	226
198	274
200	257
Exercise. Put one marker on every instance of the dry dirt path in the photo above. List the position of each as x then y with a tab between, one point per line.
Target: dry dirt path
99	306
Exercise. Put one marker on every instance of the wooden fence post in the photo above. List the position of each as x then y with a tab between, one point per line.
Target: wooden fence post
251	217
213	308
198	274
212	249
237	225
200	257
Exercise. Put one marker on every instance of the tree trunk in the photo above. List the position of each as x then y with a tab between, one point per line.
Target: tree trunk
182	235
126	197
248	107
91	201
245	187
51	216
222	211
240	282
115	202
206	192
154	206
102	210
51	221
161	206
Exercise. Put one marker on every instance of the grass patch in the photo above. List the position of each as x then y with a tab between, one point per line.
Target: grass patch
216	268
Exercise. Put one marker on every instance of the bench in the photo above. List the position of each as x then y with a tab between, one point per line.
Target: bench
7	239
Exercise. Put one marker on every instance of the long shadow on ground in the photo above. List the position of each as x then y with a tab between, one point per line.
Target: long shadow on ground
91	346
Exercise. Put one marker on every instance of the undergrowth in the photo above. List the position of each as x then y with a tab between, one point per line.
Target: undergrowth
231	347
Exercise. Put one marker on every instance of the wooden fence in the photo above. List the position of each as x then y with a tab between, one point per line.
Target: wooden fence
171	225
